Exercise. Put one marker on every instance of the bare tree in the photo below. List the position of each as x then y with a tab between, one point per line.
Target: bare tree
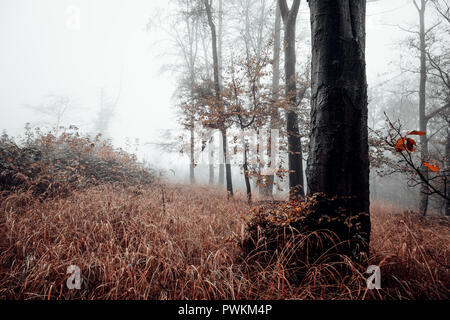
56	107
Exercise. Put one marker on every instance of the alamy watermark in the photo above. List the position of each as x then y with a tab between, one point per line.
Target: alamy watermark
374	280
74	280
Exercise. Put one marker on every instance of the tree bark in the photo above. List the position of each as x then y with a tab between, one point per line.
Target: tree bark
338	163
295	155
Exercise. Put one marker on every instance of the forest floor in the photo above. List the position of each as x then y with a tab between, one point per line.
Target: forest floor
130	244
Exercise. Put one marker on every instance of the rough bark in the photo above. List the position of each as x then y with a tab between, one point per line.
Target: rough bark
338	163
294	143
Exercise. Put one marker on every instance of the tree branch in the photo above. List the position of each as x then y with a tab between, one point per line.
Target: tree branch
437	111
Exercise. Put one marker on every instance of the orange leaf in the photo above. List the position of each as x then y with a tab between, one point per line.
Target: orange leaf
403	144
400	145
431	167
417	133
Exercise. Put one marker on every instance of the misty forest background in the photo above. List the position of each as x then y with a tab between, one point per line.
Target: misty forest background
150	216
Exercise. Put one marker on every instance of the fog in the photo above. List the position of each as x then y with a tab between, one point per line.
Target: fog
113	50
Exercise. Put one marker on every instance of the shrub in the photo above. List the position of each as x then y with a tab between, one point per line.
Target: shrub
49	165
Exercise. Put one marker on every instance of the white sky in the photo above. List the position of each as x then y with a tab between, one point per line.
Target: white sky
39	55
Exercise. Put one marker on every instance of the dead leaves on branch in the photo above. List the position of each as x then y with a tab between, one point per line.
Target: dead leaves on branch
403	144
408	144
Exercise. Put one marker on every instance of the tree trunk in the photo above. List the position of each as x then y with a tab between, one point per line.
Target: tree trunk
338	163
218	96
423	202
294	143
221	172
274	115
192	158
222	161
447	173
211	161
227	164
246	177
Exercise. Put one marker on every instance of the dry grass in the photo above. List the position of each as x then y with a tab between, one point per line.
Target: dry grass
129	247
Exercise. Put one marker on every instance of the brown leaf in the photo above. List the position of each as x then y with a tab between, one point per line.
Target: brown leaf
403	144
417	133
410	143
400	145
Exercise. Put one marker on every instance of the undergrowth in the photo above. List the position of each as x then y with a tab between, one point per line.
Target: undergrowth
130	243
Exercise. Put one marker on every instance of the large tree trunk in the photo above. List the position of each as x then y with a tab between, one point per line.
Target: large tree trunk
423	202
218	95
338	163
294	143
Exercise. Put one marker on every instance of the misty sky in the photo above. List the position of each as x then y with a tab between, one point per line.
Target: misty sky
40	55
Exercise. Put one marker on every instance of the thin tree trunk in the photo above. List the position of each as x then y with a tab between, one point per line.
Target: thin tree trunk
294	142
221	172
447	173
274	115
218	95
219	57
423	202
338	163
227	164
246	176
211	161
192	164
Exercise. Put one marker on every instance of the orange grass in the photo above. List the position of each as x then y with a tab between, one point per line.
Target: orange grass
127	247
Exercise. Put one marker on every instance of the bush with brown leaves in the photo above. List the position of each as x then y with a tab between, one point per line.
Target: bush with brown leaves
50	165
